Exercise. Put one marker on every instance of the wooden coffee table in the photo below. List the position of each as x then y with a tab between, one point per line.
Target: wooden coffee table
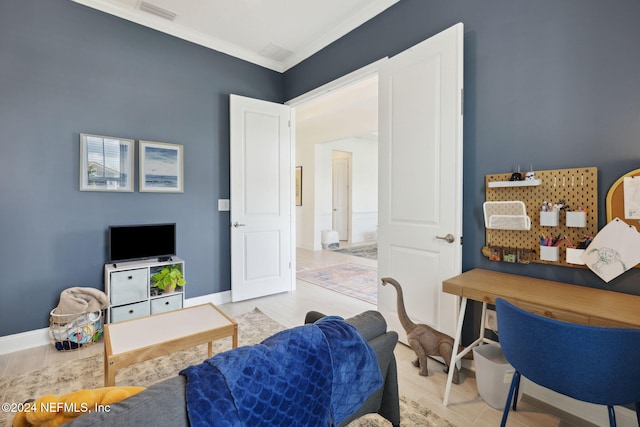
144	338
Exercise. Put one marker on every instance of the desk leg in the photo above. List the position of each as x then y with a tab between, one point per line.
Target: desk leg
456	345
482	322
210	348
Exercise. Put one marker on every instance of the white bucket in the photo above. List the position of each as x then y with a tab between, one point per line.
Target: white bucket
493	375
330	239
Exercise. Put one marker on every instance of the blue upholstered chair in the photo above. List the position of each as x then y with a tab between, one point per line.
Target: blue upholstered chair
589	363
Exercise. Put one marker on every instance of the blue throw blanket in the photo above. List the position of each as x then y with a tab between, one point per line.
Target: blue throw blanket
313	375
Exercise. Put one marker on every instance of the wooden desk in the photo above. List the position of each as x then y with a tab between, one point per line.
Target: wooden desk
562	301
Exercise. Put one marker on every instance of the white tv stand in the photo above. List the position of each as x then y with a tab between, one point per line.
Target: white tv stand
131	294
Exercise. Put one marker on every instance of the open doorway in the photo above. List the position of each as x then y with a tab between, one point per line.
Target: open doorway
328	126
337	146
420	167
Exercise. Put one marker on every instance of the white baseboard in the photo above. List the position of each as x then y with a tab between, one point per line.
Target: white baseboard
40	337
24	340
216	299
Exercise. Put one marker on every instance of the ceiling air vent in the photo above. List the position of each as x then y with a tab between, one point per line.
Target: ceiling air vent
276	52
158	11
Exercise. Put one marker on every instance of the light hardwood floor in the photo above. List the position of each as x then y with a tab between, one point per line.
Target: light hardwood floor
466	408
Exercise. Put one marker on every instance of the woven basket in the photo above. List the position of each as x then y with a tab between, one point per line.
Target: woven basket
74	331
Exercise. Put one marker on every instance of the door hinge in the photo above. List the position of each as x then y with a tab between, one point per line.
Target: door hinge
462	102
461	240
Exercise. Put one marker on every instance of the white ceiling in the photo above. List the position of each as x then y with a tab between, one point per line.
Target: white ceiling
276	34
351	111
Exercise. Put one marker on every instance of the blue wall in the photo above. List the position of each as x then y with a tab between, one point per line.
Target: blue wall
67	69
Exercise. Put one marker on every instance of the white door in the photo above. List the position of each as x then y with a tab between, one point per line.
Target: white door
420	179
341	196
261	198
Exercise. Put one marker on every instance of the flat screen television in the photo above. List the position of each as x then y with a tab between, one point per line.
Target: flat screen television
135	242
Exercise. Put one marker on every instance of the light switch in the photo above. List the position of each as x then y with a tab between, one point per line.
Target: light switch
223	205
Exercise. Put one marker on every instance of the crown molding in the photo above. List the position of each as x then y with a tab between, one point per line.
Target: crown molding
156	23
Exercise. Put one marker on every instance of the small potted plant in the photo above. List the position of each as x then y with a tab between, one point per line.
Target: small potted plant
168	278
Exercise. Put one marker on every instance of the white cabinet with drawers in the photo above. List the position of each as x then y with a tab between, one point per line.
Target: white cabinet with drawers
131	293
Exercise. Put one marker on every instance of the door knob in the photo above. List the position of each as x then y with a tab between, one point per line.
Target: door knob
448	238
237	224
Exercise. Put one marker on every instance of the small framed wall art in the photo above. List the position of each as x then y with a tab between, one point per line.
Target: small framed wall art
106	163
161	167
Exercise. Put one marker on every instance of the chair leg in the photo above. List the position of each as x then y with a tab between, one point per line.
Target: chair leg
612	416
638	412
515	383
516	392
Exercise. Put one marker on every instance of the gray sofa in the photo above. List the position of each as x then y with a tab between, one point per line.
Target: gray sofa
164	403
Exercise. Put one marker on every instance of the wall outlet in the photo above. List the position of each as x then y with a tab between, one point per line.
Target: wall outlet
491	321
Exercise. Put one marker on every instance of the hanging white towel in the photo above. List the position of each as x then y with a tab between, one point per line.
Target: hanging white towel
614	250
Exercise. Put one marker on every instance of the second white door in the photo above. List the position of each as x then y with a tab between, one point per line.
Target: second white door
420	179
261	198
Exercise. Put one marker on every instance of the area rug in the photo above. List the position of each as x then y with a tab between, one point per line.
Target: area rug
355	280
412	414
87	372
364	251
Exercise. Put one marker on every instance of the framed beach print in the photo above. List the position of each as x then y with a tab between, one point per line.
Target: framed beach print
161	167
106	163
